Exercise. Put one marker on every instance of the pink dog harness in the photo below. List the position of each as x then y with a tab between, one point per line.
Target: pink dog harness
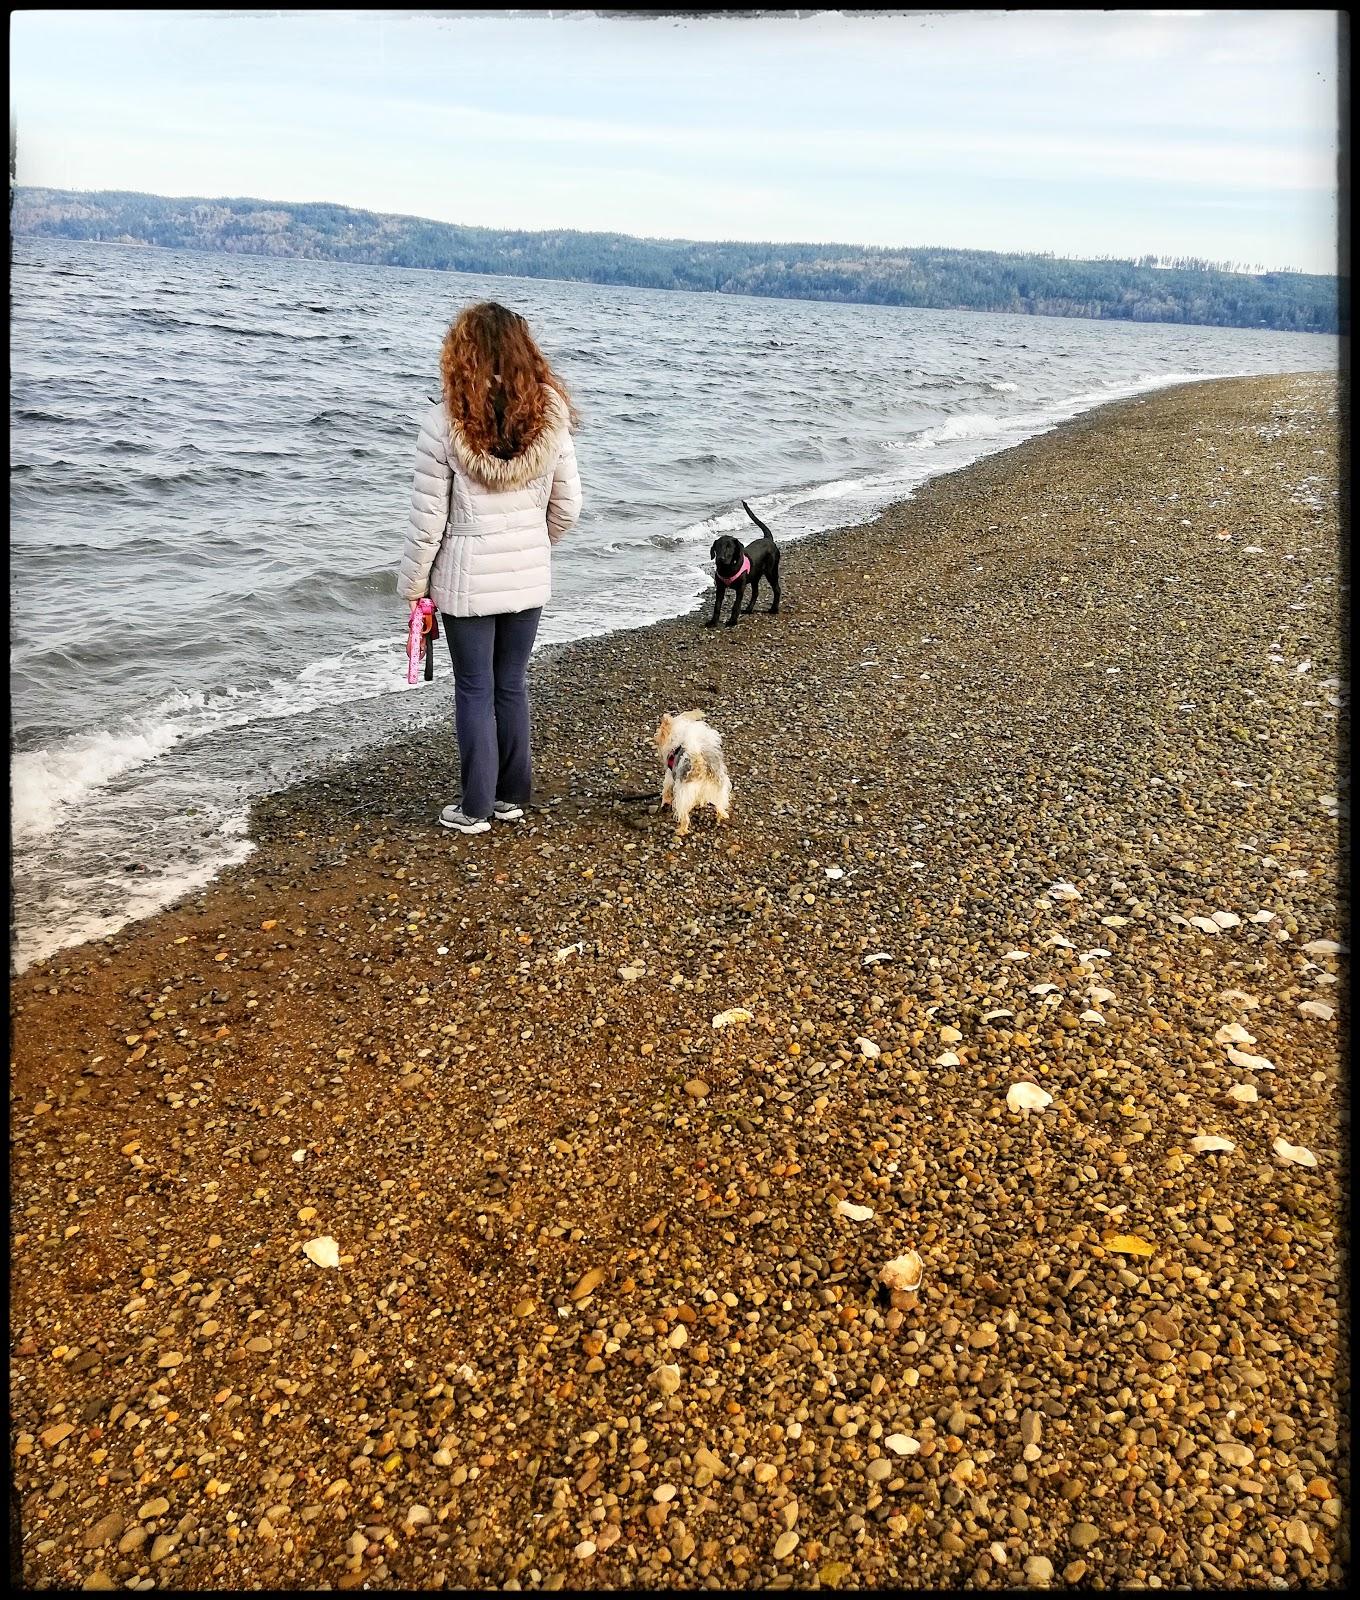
737	576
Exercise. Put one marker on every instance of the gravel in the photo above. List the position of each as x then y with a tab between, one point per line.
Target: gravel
1047	671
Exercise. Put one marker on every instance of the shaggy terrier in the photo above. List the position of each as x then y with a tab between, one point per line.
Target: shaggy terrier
696	774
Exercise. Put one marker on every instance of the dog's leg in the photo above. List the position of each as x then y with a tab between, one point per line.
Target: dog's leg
682	801
723	804
667	785
754	587
736	609
719	594
774	584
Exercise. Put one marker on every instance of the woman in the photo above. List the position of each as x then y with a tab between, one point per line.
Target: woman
495	486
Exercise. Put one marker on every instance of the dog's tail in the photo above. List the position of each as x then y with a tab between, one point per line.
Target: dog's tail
759	524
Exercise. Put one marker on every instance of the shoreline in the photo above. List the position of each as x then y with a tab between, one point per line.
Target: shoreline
562	1197
386	719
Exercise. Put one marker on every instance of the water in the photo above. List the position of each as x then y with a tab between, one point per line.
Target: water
210	468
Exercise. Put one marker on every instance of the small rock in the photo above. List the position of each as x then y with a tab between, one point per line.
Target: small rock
903	1274
106	1528
588	1283
1297	1533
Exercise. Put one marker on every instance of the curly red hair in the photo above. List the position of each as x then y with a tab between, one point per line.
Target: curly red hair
494	378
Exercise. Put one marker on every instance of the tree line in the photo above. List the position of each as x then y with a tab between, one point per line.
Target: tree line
1148	289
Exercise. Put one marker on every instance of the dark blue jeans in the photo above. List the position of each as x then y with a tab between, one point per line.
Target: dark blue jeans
491	705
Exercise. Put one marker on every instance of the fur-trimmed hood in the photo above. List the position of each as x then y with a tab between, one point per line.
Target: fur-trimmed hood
522	469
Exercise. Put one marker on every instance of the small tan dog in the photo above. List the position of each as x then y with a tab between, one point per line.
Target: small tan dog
696	774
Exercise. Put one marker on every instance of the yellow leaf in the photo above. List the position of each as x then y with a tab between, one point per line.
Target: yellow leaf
1129	1244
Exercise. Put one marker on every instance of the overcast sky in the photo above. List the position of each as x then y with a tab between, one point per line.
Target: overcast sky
1085	133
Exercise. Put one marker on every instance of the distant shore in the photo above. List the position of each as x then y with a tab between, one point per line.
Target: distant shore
599	1319
1185	291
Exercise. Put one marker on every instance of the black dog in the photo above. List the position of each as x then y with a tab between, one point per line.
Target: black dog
741	568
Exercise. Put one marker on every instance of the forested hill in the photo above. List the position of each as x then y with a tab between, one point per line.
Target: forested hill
971	280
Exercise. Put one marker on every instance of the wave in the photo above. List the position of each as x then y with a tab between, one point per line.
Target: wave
349	590
47	785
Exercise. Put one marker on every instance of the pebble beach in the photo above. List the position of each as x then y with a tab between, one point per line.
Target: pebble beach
409	1210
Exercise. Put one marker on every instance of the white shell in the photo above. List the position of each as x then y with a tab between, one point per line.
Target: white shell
1211	1144
1226	919
878	955
1204	924
835	872
1093	1016
324	1252
1322	947
1317	1008
1016	955
1233	1033
1027	1097
1261	916
1043	988
1092	955
1099	996
1057	940
948	1059
868	1049
846	1208
902	1444
991	1016
1240	1058
725	1019
1114	922
1243	1093
1064	891
1296	1153
904	1273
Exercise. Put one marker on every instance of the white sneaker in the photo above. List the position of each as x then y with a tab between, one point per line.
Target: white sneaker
453	817
504	811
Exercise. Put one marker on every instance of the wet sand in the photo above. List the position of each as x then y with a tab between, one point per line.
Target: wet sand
598	1320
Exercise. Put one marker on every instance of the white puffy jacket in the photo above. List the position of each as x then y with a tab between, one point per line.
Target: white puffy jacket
481	528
